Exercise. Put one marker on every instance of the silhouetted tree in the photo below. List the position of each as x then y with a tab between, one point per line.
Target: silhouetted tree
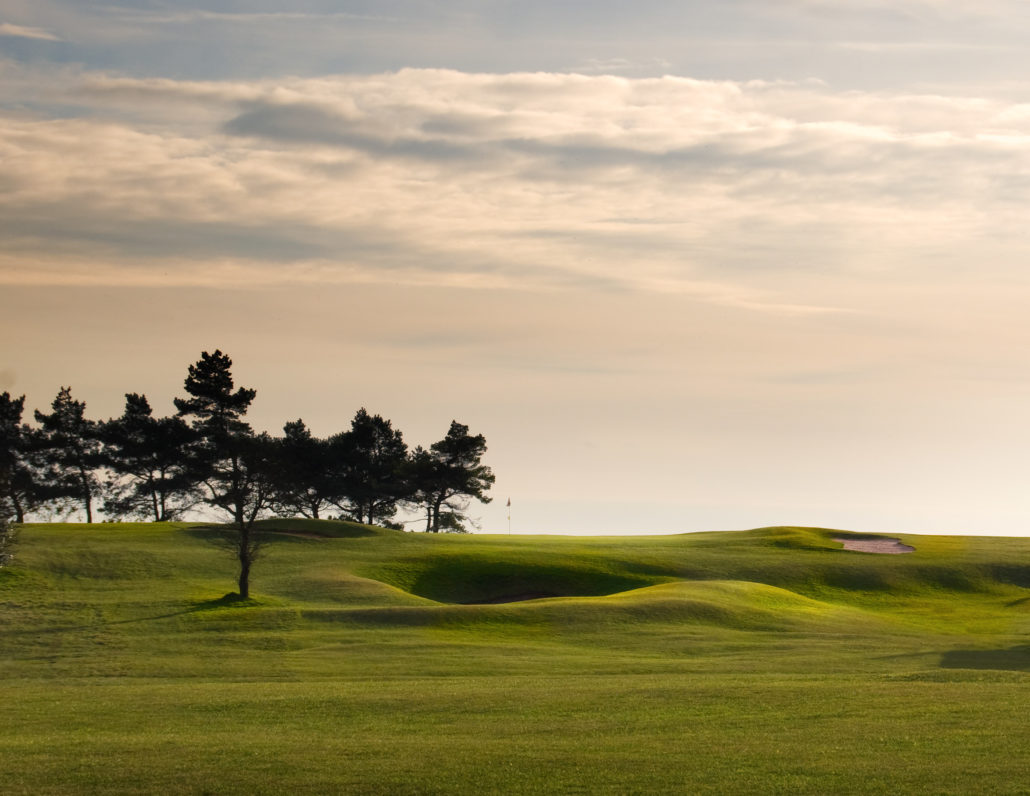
302	481
370	461
18	478
70	452
150	458
258	461
444	480
7	539
232	463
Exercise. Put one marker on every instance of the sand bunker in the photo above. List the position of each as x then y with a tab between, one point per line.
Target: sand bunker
888	546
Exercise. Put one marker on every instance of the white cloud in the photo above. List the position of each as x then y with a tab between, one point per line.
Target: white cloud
753	190
22	32
620	66
201	15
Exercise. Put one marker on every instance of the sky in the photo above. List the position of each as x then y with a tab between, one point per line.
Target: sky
687	266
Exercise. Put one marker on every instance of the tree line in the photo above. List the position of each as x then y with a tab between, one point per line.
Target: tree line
144	467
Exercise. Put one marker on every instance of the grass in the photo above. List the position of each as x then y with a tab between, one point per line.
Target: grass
373	661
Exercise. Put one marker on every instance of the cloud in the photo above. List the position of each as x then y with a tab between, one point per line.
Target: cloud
22	32
274	17
863	43
754	192
297	123
618	66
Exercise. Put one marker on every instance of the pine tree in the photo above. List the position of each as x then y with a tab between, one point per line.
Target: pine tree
370	468
303	481
7	539
18	478
445	479
70	451
150	460
233	464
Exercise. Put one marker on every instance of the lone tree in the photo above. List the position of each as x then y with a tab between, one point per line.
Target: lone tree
444	480
70	452
18	488
233	464
150	459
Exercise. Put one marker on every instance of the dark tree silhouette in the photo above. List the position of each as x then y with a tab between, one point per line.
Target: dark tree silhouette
18	486
444	480
70	452
302	482
150	460
257	461
370	461
7	539
232	463
162	467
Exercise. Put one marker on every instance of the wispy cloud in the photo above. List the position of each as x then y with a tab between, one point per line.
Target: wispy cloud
22	32
622	66
244	17
754	192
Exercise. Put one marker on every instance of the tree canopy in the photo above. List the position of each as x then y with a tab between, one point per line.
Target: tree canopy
232	464
304	481
19	492
149	459
162	468
371	458
69	446
448	476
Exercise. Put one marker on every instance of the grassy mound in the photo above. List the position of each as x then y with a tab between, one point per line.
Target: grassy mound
329	529
769	660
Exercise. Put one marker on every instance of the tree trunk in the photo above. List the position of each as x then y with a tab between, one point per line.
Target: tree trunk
244	556
19	511
236	490
238	507
87	494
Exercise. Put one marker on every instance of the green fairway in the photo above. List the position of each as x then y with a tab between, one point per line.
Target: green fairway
373	661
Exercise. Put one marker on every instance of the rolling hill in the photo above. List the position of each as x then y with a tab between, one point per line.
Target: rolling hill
374	661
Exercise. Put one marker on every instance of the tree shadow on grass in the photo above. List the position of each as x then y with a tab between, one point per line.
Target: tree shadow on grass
1013	659
289	530
230	600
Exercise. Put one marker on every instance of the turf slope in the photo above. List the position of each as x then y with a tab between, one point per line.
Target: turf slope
371	661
